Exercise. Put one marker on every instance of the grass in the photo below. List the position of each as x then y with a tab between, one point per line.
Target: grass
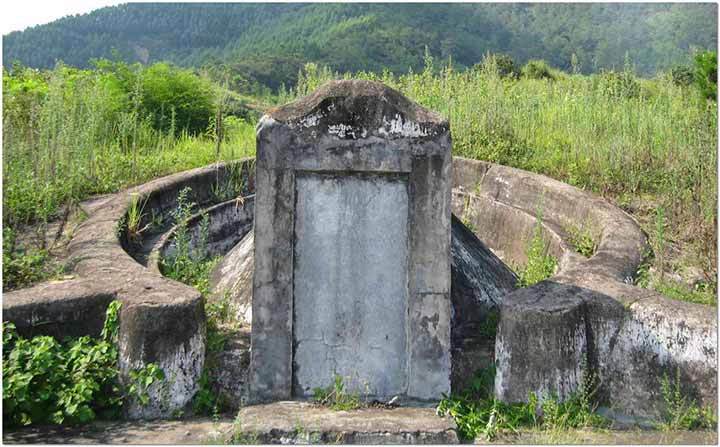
23	266
336	397
478	414
70	134
540	264
581	240
701	293
681	412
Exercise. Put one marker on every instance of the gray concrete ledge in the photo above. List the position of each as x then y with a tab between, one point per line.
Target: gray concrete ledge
301	422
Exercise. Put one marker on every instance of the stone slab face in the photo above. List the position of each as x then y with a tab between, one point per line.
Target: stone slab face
278	422
350	282
352	245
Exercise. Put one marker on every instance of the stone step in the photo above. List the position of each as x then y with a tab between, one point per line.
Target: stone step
294	422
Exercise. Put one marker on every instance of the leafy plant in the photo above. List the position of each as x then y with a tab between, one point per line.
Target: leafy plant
189	263
45	381
681	412
581	240
141	379
336	397
706	74
488	329
538	69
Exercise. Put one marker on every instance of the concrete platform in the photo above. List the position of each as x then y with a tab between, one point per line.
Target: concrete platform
303	422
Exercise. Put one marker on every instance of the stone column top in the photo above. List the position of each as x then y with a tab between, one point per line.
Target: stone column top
357	109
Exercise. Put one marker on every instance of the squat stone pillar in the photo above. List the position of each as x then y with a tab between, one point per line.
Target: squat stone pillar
352	246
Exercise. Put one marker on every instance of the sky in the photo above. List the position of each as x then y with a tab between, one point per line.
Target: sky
19	14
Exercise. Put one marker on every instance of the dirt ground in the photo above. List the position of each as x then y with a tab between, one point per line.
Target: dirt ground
208	431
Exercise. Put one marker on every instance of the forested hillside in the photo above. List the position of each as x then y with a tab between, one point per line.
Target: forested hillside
268	43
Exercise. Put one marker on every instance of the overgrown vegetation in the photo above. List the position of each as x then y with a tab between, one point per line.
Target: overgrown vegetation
23	266
581	240
540	264
477	412
190	263
646	144
45	381
336	397
74	381
652	272
681	412
70	133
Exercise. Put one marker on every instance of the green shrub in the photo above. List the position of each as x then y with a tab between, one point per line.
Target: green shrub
176	98
682	75
45	381
70	133
538	69
622	84
706	74
499	63
581	240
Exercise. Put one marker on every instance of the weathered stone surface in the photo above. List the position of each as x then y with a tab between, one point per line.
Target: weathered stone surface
357	127
66	308
350	282
632	335
300	423
207	431
541	343
479	281
229	371
232	277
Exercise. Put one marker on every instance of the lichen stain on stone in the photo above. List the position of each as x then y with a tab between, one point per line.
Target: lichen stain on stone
345	130
182	370
398	126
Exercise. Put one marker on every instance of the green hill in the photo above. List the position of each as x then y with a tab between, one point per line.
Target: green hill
269	42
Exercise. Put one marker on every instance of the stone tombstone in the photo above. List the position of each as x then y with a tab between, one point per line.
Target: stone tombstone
352	246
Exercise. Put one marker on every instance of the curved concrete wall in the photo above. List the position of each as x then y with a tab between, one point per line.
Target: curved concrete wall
587	318
161	321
